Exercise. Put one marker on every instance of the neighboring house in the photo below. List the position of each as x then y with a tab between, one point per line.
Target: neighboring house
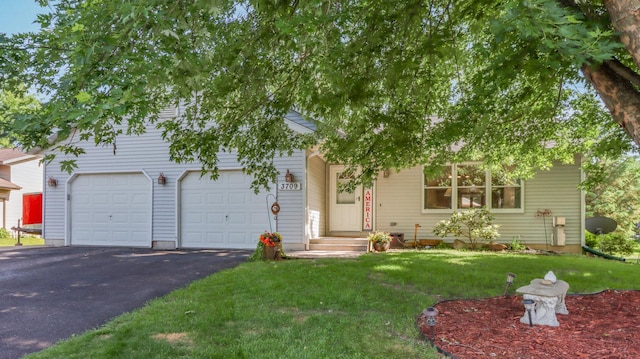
140	198
20	179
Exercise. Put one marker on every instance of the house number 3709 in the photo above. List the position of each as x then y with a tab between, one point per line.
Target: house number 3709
290	186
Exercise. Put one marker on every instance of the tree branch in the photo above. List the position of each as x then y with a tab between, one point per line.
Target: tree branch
619	95
27	47
624	71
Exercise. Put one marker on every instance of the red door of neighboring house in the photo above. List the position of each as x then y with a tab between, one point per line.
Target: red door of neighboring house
31	208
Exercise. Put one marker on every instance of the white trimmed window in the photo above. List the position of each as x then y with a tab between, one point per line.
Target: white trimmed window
467	185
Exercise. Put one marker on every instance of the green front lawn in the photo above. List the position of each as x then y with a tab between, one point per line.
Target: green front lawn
25	240
329	308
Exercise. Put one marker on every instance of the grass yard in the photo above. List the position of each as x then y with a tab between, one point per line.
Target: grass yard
327	308
25	240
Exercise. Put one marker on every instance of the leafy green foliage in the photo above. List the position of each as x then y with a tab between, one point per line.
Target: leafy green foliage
473	224
613	243
590	239
257	253
4	234
516	244
379	237
14	104
612	189
391	84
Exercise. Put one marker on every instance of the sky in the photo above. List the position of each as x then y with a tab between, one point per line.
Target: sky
18	15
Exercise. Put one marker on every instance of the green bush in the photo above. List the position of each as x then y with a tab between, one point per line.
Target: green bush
616	243
4	233
591	240
516	245
473	224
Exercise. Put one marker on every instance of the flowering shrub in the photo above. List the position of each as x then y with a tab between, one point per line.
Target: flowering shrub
474	224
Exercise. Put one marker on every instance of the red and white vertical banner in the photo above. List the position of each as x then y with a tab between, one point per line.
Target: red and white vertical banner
367	215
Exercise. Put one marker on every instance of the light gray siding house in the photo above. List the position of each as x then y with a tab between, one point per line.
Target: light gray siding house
531	211
118	200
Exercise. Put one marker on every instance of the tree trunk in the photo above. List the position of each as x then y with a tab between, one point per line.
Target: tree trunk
620	97
616	90
625	18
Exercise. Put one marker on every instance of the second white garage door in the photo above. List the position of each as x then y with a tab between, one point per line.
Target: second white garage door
224	213
111	210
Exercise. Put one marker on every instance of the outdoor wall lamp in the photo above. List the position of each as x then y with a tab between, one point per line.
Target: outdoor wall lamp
162	180
52	182
529	304
288	177
510	277
431	314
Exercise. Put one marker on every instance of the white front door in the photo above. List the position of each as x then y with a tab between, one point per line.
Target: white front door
346	208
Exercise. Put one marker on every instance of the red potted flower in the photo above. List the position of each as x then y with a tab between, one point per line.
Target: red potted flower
271	243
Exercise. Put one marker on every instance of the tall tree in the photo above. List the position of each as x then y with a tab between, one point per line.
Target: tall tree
613	188
392	84
12	105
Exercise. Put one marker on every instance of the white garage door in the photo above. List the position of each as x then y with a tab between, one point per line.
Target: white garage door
221	214
111	210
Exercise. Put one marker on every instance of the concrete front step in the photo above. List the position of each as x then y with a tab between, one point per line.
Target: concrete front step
338	244
336	247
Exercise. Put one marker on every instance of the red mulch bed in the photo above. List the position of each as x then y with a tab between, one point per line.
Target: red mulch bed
602	325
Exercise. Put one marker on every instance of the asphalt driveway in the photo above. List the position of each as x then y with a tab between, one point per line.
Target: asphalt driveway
48	294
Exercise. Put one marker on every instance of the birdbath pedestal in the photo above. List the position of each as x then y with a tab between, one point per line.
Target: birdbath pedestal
549	300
